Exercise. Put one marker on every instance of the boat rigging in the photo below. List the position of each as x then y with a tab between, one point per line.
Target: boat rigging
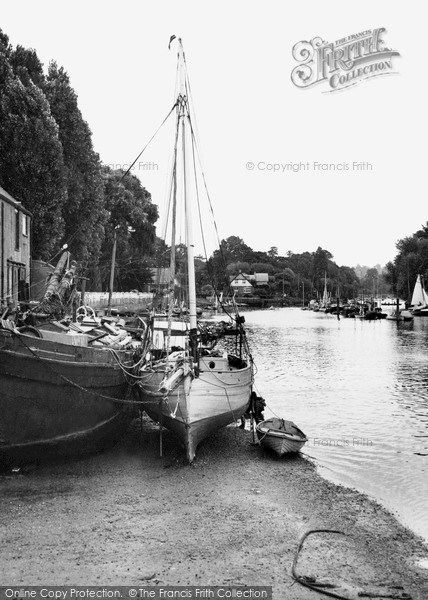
189	384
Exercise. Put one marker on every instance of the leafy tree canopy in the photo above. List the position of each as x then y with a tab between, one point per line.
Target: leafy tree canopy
47	161
31	160
130	218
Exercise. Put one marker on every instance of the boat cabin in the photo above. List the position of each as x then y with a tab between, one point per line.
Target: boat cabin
15	224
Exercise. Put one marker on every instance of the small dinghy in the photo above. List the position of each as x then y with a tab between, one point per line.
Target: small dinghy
280	436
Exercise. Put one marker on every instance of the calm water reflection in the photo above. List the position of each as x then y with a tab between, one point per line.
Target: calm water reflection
359	390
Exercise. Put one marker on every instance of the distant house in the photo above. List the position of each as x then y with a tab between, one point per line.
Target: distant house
241	284
244	284
15	251
260	279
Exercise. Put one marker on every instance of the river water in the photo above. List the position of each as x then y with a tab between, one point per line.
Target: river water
359	390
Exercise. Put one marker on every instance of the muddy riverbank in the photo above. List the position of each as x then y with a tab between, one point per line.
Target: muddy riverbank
128	517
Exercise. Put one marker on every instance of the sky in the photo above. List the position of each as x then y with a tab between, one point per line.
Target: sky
252	119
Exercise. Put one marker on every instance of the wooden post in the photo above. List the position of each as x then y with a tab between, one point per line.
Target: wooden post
161	429
113	259
83	290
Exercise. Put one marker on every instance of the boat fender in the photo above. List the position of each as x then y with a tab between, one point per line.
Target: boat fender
31	331
255	409
257	406
169	384
111	329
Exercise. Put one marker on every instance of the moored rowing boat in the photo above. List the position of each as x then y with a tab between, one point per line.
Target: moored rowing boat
281	436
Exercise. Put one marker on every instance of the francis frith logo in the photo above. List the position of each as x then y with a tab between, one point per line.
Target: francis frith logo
343	63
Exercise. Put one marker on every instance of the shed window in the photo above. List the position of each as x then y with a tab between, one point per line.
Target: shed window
16	230
24	225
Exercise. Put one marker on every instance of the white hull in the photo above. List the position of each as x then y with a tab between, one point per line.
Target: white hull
283	437
391	304
198	406
394	317
403	315
282	446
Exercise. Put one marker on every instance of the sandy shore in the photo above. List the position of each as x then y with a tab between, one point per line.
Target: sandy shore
129	517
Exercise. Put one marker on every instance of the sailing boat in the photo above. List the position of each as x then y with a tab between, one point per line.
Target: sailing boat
325	298
303	297
187	386
419	301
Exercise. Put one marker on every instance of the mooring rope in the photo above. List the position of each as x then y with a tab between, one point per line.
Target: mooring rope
304	580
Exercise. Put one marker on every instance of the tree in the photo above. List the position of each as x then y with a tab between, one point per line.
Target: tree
391	275
238	267
161	253
320	264
5	66
284	281
31	160
48	162
27	66
410	261
131	217
202	277
262	268
347	282
273	252
83	213
207	290
234	249
371	281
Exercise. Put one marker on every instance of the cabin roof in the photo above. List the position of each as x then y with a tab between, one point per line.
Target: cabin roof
11	200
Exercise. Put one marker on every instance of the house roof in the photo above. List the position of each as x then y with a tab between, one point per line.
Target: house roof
261	278
10	200
256	278
239	277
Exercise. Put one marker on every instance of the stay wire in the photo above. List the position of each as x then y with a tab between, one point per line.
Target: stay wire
197	191
194	138
153	136
71	238
222	256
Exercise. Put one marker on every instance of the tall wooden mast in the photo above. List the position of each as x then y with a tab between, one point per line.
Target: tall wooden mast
184	116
